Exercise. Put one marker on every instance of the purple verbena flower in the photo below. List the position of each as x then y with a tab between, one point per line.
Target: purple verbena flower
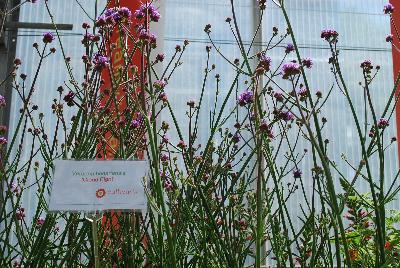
138	121
164	157
302	92
265	62
87	38
101	21
48	37
245	97
139	14
297	173
181	144
159	84
152	38
284	115
3	140
14	188
69	98
125	12
383	123
366	65
168	185
20	213
2	101
289	48
163	96
40	221
329	35
266	128
278	95
149	9
165	139
143	34
160	57
155	16
388	8
289	69
307	62
236	137
100	62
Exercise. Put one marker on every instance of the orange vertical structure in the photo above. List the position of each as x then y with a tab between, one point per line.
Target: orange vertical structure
116	62
396	61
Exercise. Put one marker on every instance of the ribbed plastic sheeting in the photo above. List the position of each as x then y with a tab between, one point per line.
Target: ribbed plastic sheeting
362	29
52	74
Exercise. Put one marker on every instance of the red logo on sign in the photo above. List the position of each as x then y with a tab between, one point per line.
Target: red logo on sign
100	193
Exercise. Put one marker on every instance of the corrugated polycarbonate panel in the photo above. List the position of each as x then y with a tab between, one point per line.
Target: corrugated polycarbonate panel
53	72
362	29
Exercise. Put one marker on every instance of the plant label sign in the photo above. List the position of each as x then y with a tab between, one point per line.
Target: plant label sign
98	185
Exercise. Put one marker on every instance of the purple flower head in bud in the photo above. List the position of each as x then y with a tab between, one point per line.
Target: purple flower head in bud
389	38
159	84
366	64
181	145
278	95
165	139
69	98
163	96
147	6
40	221
284	115
138	121
20	213
302	92
289	48
144	34
388	8
264	125
245	97
383	123
87	38
329	35
266	128
307	62
236	137
48	37
14	188
289	69
164	157
2	101
135	123
252	116
160	57
139	14
297	173
100	62
101	21
3	140
152	38
168	185
163	175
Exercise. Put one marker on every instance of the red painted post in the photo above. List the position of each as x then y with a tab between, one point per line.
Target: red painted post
395	20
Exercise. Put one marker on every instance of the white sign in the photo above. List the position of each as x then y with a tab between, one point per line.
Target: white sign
98	185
